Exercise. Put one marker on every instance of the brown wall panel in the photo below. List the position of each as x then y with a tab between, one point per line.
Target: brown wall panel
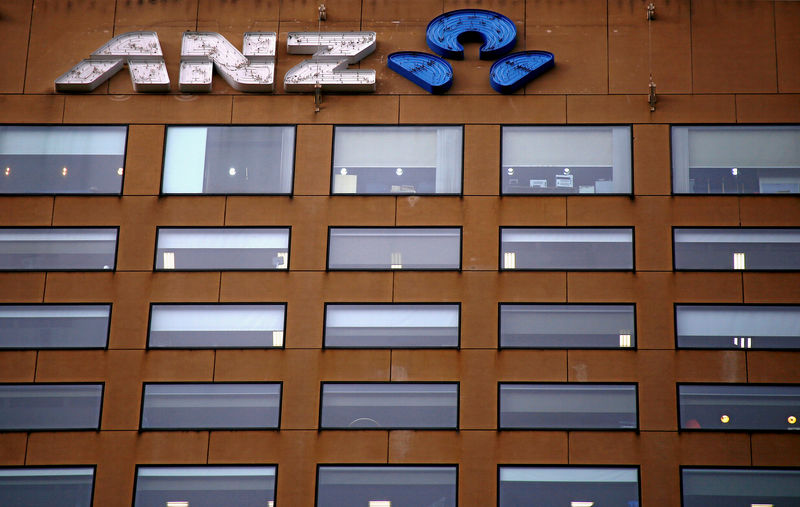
775	450
783	108
17	365
410	11
142	108
32	108
312	167
635	109
651	160
490	109
12	448
22	287
787	45
143	160
771	287
769	211
481	159
396	36
299	108
15	22
28	211
769	366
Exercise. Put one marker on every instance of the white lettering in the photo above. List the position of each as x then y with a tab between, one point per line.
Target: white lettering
332	53
252	70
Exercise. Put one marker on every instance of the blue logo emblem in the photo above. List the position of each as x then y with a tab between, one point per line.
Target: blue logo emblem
445	35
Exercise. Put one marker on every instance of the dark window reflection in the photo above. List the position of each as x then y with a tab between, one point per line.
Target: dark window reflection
386	486
739	407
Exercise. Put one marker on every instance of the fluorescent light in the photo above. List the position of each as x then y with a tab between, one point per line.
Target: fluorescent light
624	340
581	504
380	503
277	338
169	260
178	503
510	260
738	260
397	260
761	505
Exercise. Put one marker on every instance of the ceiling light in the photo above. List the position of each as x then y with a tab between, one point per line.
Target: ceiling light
581	504
120	171
399	171
232	171
8	171
178	503
735	171
343	171
725	419
792	419
510	171
64	171
380	503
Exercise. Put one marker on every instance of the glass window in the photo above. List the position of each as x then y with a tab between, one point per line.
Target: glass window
391	325
205	486
566	160
569	326
568	406
46	487
216	326
728	249
394	405
739	407
751	487
737	326
211	406
394	248
385	486
58	249
397	160
228	160
32	407
736	159
568	486
568	248
61	159
54	326
240	248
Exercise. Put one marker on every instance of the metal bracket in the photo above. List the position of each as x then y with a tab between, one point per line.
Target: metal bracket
651	11
323	13
652	98
317	97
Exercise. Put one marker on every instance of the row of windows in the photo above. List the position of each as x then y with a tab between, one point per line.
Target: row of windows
401	405
400	248
379	160
396	325
400	485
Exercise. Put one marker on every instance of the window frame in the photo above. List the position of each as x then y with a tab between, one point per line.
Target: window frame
327	304
110	307
115	228
287	228
567	126
277	427
148	346
84	194
635	385
633	306
681	469
96	428
93	466
410	125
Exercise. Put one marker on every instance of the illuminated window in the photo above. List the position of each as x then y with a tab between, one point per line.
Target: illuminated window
397	160
386	486
735	407
58	249
568	486
204	485
567	248
42	407
47	487
566	160
738	326
750	487
729	249
62	159
54	326
736	159
228	160
387	248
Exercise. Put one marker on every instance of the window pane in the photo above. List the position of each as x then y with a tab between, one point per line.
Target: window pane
391	325
46	487
566	248
736	160
205	486
394	248
569	486
61	160
397	160
216	326
57	249
567	326
566	160
739	407
203	406
727	249
29	407
385	486
54	326
222	249
228	160
389	406
568	406
723	487
738	326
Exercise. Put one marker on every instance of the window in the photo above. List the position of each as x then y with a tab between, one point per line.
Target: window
216	326
228	160
397	160
736	159
392	325
736	407
47	486
569	248
737	326
385	248
568	406
211	406
736	249
58	249
54	326
752	487
397	405
35	407
566	160
386	485
229	248
62	159
570	326
205	486
568	486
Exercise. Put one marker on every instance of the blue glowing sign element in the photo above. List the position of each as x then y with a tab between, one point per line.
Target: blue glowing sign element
445	33
514	71
430	72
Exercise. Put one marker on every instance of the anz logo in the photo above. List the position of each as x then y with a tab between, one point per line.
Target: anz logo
253	68
444	36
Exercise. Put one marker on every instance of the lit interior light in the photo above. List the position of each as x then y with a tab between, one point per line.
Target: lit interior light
277	338
510	171
738	260
8	171
791	419
509	260
725	419
232	171
624	340
762	505
343	171
380	503
120	171
735	171
399	171
397	260
64	171
581	504
178	503
169	260
566	170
